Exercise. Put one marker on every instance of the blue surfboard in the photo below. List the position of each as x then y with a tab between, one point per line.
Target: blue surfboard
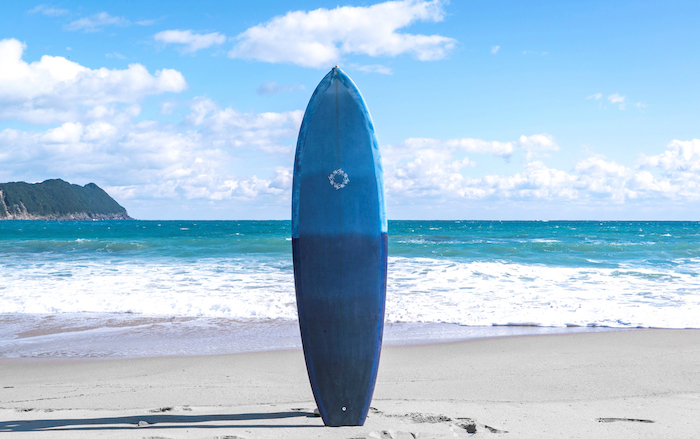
339	242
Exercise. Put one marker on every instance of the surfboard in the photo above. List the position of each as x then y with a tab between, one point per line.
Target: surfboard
339	244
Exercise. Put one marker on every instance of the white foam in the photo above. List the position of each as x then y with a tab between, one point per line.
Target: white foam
490	293
418	290
215	288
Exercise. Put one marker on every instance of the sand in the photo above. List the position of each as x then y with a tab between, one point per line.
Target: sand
626	384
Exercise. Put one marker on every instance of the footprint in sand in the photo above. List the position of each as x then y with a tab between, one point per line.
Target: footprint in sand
162	410
646	421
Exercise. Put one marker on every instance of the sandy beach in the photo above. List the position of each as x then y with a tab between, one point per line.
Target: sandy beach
624	384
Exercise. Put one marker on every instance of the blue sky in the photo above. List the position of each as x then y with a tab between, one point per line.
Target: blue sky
483	109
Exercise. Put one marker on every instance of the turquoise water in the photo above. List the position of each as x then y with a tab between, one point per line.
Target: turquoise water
556	243
469	273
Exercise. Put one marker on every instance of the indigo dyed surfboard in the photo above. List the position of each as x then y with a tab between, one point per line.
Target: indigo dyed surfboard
339	241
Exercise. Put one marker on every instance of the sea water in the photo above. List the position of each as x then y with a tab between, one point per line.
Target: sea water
140	288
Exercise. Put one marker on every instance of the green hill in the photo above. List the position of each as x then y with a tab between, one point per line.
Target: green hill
57	200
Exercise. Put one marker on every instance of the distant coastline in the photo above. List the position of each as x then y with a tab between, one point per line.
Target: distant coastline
58	200
80	216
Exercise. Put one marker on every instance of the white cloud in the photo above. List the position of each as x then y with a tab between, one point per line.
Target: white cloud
602	178
534	52
680	156
499	149
262	131
438	171
192	42
678	170
617	99
168	107
96	22
495	49
218	156
321	37
48	10
533	145
373	68
228	155
55	89
69	132
115	55
421	167
272	88
537	181
223	157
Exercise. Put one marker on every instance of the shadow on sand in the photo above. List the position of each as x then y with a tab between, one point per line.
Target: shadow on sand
155	421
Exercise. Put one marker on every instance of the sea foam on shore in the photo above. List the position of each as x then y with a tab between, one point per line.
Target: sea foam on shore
231	282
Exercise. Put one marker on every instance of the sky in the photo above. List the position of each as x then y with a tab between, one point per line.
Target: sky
483	110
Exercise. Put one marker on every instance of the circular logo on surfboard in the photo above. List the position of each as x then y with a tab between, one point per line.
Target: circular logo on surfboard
338	179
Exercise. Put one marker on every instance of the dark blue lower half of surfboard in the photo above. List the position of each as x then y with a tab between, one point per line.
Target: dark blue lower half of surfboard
341	290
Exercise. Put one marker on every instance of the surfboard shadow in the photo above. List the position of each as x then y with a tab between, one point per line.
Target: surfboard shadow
173	421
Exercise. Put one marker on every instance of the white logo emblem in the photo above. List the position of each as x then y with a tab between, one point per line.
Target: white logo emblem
338	179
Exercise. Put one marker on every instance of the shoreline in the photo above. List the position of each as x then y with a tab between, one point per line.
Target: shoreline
607	385
113	336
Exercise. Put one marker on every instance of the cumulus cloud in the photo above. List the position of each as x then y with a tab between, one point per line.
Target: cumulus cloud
96	22
218	154
423	167
55	89
680	156
232	128
495	49
678	170
438	170
535	144
192	41
321	37
603	178
673	174
212	154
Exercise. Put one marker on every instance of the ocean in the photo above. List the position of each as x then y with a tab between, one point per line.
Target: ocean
112	289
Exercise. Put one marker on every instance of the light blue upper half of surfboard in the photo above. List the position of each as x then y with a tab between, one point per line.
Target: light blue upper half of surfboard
337	135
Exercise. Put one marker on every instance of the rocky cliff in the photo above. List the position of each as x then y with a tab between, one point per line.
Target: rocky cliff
57	200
